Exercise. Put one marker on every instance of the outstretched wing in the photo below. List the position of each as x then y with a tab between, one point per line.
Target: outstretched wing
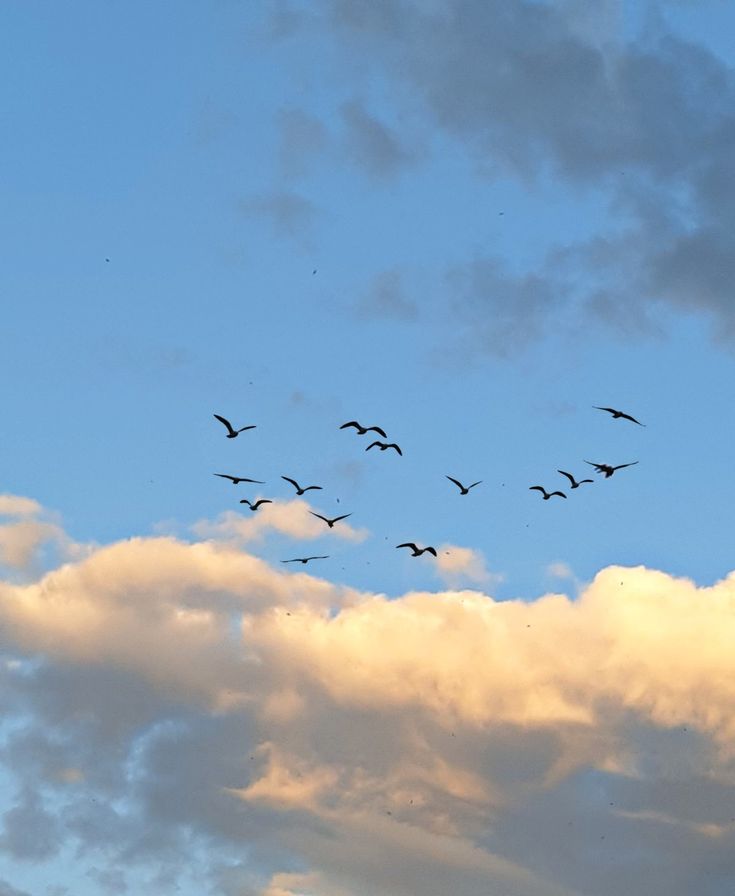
598	467
351	423
561	494
609	410
456	482
373	444
322	557
408	544
570	477
474	484
293	482
252	426
431	550
226	476
393	445
261	501
628	417
310	487
320	516
378	430
620	466
536	488
343	517
226	423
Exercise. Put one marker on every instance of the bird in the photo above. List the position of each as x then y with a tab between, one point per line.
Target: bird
232	433
547	495
257	504
617	414
299	490
415	550
331	523
306	559
607	469
236	479
383	446
361	430
572	480
462	489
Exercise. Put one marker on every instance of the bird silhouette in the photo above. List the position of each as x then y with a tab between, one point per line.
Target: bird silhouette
462	489
416	551
572	480
232	433
236	479
299	490
383	446
617	414
330	523
547	495
361	430
257	504
306	559
607	469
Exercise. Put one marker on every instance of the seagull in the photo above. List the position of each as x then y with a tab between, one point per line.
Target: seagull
236	479
462	489
383	446
305	559
572	480
415	550
607	469
617	414
547	495
257	504
361	430
299	490
232	433
331	523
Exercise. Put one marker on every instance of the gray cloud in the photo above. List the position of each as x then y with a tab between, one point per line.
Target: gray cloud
386	298
291	215
371	143
302	139
7	890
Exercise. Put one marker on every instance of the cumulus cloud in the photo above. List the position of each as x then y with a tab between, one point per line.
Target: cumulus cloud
309	738
33	529
456	564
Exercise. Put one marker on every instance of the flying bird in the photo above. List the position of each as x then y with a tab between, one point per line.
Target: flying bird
299	490
330	523
462	489
232	433
572	480
383	446
236	479
607	469
257	504
415	550
306	559
361	430
617	414
547	495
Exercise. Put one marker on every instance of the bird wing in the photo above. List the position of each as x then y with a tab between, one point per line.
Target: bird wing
393	445
322	557
261	501
242	429
293	482
343	517
351	423
226	476
296	560
373	444
537	488
455	481
319	515
586	480
474	484
378	430
561	494
628	417
245	501
609	410
310	487
431	550
598	467
620	466
568	475
408	544
226	422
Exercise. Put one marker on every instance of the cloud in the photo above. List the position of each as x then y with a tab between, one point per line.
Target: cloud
16	505
21	541
456	564
172	699
386	298
291	215
291	518
303	139
640	119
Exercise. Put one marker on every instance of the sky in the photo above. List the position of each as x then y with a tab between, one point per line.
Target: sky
470	223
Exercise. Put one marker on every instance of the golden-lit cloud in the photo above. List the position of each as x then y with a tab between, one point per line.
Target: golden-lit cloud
457	564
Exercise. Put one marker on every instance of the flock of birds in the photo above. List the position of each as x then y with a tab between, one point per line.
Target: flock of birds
606	469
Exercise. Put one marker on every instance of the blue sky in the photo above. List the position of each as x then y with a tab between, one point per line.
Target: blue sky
466	222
